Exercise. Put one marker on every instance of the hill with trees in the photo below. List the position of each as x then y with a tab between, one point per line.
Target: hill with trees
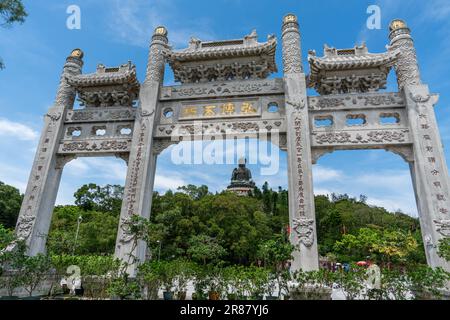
195	224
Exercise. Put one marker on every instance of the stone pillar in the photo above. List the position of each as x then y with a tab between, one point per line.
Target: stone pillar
37	207
141	166
301	194
429	169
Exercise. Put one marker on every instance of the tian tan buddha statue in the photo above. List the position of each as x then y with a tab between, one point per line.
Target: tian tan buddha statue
241	179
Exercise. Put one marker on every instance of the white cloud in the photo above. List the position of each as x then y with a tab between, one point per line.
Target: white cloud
321	191
65	193
14	176
437	10
16	130
135	21
111	170
395	203
391	189
166	182
387	179
322	174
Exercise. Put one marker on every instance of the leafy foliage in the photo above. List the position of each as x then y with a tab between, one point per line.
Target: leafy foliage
228	229
10	201
33	270
91	197
124	287
89	265
97	234
428	281
203	249
382	246
275	252
6	237
11	11
183	224
444	249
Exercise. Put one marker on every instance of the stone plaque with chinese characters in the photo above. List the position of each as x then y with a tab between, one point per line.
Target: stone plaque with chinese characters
220	109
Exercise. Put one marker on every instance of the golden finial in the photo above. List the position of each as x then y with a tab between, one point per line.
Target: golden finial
289	18
162	31
397	24
77	53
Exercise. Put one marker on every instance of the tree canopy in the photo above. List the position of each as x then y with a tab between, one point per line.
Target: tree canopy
10	202
11	11
192	223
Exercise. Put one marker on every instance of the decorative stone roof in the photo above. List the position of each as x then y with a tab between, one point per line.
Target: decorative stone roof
107	87
349	70
122	75
224	60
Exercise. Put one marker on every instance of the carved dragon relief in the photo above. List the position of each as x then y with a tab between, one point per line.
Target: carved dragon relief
292	60
357	101
297	105
382	136
220	128
159	145
418	98
62	160
106	145
317	153
25	226
406	67
54	116
304	228
125	226
223	89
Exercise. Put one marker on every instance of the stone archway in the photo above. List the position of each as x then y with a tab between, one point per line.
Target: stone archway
225	89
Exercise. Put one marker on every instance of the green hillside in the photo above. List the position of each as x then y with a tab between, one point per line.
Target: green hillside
189	222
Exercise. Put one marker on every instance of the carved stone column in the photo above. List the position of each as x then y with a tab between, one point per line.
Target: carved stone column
142	161
429	169
301	193
37	207
406	66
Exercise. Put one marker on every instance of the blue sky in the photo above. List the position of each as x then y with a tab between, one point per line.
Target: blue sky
113	32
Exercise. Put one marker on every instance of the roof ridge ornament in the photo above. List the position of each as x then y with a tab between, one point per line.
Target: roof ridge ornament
252	37
77	53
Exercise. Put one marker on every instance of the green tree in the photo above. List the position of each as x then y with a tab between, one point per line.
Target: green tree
34	270
6	237
275	252
97	233
196	193
239	224
11	11
10	202
11	260
98	198
383	246
267	197
205	249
